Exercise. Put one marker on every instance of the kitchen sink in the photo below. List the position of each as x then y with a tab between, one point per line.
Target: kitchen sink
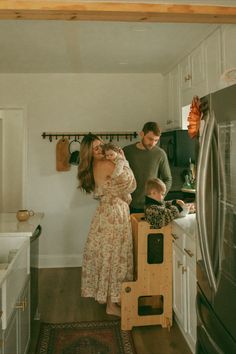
14	269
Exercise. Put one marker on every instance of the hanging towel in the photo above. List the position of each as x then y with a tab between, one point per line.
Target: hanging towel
62	155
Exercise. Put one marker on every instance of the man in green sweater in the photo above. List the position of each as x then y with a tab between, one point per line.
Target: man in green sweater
147	161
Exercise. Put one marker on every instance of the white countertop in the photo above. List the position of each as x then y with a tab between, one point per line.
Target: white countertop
10	226
187	223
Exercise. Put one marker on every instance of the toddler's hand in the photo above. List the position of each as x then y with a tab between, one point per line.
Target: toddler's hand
180	202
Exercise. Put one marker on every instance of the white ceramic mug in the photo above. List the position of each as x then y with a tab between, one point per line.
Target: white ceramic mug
24	214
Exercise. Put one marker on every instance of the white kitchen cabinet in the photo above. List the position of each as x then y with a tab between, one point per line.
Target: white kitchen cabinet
185	74
213	60
1	323
193	75
1	331
16	336
179	287
184	277
9	339
191	291
174	117
16	251
23	320
200	72
229	46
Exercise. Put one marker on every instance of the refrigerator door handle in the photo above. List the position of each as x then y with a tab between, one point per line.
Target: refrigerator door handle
221	191
201	194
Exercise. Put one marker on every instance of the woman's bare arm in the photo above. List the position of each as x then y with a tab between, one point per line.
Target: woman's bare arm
102	170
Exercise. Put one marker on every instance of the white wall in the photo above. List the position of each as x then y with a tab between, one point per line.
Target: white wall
73	102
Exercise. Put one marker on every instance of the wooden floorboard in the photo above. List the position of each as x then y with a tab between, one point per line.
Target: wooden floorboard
60	301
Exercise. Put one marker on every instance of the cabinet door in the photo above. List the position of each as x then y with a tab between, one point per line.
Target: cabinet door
213	61
229	46
191	306
10	336
197	66
193	75
24	320
174	120
185	73
179	287
1	338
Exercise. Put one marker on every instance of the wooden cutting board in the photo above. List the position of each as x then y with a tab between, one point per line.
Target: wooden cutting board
62	155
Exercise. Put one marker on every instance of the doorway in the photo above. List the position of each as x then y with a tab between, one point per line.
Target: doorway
12	159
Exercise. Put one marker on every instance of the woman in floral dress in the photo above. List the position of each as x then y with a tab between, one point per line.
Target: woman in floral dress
108	253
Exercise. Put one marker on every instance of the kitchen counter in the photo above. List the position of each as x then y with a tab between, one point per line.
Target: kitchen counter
187	224
10	226
13	257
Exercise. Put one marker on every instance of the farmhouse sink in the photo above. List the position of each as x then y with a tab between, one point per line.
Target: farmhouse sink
14	269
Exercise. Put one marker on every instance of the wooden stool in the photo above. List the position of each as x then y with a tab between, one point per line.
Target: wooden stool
148	299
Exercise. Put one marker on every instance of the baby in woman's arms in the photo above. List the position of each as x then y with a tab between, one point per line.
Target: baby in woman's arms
115	154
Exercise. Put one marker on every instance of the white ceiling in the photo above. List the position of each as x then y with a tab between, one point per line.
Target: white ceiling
96	47
99	47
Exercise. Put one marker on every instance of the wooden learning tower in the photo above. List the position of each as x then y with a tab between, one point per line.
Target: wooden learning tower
148	299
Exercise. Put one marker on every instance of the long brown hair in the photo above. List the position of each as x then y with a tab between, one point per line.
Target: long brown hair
85	168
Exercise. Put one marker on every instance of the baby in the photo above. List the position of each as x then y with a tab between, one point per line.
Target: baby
115	154
158	212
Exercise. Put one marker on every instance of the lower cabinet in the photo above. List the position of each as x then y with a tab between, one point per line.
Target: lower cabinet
16	337
191	305
184	285
1	323
179	287
9	344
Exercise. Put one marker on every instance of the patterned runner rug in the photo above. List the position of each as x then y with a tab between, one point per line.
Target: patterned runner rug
91	337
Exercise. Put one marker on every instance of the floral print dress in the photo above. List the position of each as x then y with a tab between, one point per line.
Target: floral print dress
108	253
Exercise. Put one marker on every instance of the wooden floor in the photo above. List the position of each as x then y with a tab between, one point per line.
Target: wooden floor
60	301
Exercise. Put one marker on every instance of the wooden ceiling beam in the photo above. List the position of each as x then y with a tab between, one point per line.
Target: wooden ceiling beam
105	11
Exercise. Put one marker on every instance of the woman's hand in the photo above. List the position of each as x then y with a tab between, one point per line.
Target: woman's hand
121	152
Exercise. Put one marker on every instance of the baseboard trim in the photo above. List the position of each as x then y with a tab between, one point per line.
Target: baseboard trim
60	261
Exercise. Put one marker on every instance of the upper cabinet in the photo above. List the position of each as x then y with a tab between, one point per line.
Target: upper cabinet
173	120
201	72
213	61
192	75
229	46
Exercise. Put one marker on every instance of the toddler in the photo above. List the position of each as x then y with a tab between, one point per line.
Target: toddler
158	212
115	154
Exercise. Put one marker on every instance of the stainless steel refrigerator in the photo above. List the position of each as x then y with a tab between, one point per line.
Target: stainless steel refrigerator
216	225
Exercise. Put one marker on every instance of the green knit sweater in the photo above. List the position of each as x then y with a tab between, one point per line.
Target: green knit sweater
147	164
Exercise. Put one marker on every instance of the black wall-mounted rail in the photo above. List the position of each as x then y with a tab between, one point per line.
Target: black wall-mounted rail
76	136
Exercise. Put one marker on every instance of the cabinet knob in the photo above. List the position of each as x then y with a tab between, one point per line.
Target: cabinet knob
189	252
20	305
187	78
179	264
184	269
174	236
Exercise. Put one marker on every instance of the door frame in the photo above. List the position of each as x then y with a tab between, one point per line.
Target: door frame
24	148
